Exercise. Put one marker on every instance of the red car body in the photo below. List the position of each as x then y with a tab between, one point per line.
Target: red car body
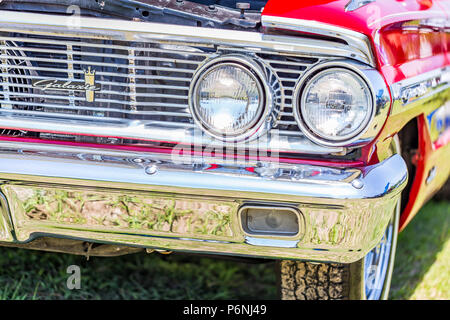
401	53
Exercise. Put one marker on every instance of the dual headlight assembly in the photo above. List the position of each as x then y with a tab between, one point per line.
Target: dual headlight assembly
231	98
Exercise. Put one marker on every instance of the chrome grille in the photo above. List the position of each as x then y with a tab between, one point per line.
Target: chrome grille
144	85
289	70
139	81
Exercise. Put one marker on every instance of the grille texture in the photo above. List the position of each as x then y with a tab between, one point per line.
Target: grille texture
140	82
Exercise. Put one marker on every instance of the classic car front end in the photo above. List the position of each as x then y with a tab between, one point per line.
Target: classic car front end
195	127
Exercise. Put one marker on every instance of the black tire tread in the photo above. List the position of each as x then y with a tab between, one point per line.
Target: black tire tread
309	281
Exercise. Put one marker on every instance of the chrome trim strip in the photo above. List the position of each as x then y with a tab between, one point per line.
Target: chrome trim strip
359	42
406	94
410	15
135	31
269	184
364	200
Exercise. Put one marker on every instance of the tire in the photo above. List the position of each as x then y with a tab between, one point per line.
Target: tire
300	280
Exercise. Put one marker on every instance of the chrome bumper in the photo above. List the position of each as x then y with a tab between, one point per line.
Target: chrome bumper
148	200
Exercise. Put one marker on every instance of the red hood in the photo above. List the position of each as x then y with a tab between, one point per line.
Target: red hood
399	54
366	19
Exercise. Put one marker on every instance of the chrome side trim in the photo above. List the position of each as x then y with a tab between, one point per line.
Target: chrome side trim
359	42
266	182
411	15
406	94
345	210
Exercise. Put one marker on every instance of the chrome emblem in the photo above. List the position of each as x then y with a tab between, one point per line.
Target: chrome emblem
89	86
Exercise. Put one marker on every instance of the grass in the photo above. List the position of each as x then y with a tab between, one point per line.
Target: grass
422	267
421	271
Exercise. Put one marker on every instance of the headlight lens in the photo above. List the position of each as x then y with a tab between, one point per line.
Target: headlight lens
336	105
228	99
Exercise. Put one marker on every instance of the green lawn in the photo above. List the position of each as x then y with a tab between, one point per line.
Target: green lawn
422	267
422	271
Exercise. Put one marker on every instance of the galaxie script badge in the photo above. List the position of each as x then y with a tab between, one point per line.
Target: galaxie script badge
89	85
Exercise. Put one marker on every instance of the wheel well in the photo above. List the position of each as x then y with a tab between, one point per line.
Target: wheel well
409	142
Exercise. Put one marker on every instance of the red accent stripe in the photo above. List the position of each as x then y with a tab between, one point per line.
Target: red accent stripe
167	150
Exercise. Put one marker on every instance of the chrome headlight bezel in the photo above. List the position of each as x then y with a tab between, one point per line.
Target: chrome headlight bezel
261	123
373	120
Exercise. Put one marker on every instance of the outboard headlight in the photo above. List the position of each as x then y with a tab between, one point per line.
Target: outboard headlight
334	106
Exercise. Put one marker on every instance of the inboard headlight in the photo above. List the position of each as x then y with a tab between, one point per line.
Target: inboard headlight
227	100
335	106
